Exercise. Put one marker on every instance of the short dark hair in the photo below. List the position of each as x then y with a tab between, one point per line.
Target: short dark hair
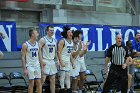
47	28
65	30
80	32
76	33
31	32
137	33
128	42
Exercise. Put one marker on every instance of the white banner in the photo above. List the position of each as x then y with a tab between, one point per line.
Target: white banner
80	2
54	2
111	3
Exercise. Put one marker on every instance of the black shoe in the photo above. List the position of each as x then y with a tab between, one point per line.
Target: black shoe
131	91
69	91
84	91
62	91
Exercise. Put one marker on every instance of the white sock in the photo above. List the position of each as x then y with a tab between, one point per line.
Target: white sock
67	80
62	79
128	90
79	91
74	91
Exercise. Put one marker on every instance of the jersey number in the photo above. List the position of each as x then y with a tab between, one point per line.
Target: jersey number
34	54
69	50
50	50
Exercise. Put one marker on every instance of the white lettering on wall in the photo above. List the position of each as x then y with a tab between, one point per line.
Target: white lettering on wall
126	35
113	34
7	39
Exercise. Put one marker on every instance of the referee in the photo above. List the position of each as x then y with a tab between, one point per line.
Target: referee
118	56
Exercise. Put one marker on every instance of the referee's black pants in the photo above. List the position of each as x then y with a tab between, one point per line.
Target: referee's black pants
119	75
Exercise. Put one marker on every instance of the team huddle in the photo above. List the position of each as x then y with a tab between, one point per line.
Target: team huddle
40	58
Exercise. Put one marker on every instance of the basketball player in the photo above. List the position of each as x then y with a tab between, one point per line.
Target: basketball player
82	67
75	71
65	47
48	47
30	61
2	37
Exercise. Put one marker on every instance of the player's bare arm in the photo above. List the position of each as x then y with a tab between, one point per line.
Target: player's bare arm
76	53
41	44
23	51
60	47
40	58
56	55
72	61
135	53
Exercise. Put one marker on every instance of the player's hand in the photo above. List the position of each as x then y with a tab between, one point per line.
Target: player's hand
62	64
44	64
124	66
73	66
58	63
88	43
85	47
25	72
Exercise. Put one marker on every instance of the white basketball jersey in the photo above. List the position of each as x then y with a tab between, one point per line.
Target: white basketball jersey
66	51
81	59
49	49
77	58
32	54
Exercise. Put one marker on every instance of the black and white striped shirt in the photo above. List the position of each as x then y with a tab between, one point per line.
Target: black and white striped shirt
117	54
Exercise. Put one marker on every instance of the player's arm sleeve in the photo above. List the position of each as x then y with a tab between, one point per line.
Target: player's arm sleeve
23	52
108	55
109	52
